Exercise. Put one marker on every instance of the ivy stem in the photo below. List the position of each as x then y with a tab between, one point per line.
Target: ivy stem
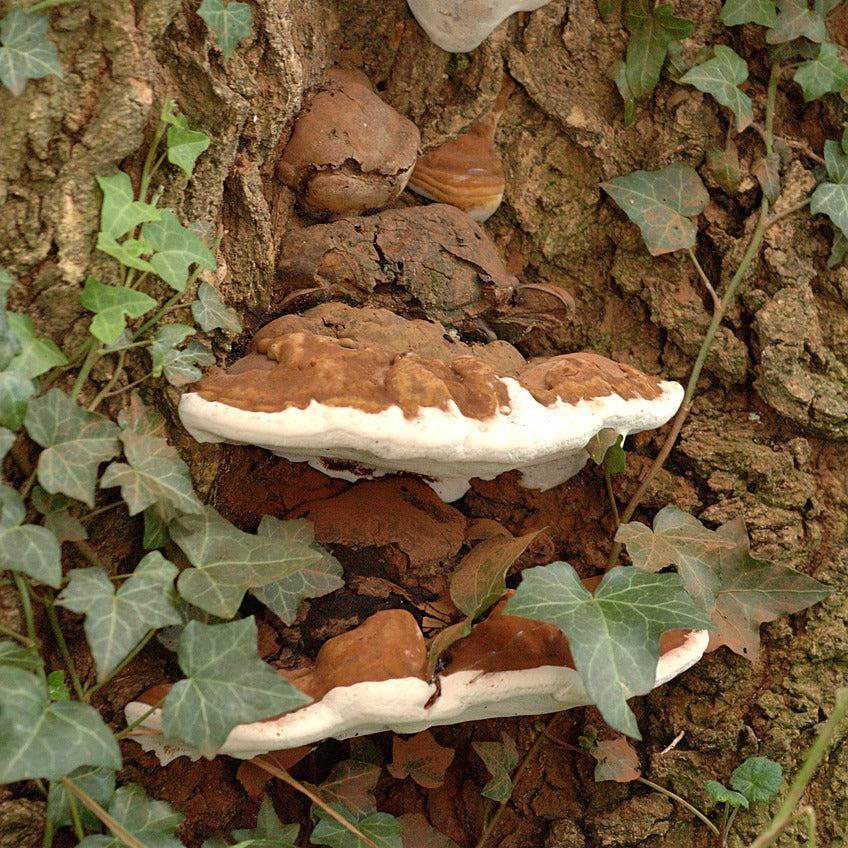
90	804
53	618
280	774
44	5
110	384
123	663
705	279
95	513
150	323
790	210
771	100
19	637
75	818
820	747
140	720
129	386
85	370
149	169
29	619
47	839
611	496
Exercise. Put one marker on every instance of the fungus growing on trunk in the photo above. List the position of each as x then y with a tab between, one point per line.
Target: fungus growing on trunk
349	151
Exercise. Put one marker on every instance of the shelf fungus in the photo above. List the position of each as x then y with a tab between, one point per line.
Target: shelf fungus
460	26
373	679
349	151
376	394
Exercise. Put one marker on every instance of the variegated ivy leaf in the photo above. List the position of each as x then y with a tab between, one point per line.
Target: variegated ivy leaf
229	20
831	198
96	781
382	829
117	620
25	52
112	305
736	12
825	74
75	442
226	684
40	739
721	77
795	19
269	829
210	312
14	655
28	548
500	759
184	144
180	366
167	338
7	439
177	249
127	252
15	393
120	213
36	354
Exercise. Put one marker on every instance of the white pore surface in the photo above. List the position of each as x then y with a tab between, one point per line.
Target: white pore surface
546	443
459	26
400	705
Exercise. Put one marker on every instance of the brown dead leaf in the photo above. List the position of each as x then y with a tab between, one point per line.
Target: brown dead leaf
422	758
254	779
351	784
617	760
419	833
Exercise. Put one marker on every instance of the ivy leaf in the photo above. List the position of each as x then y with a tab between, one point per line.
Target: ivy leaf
313	580
25	53
422	758
30	549
719	792
758	778
679	539
269	828
209	311
651	32
736	12
767	171
229	21
7	439
156	533
177	249
617	760
15	393
754	592
75	443
419	833
184	144
57	516
613	634
120	212
153	823
116	621
226	684
112	305
96	781
618	74
795	19
837	250
57	686
37	355
182	367
721	77
18	657
661	203
128	252
350	784
825	74
500	758
167	338
831	198
382	829
40	739
227	561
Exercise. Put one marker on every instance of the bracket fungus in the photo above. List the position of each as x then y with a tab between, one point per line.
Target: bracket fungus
460	26
349	151
373	679
447	412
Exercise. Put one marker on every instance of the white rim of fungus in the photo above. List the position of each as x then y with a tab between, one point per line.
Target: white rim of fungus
400	705
546	443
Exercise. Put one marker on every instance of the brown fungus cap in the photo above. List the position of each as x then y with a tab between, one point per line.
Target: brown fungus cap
349	151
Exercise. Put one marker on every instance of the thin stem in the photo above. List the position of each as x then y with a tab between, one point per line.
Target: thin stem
705	279
724	826
148	168
29	619
771	100
110	384
809	814
95	513
63	649
790	210
85	370
123	663
611	496
47	4
805	773
682	801
75	818
47	839
130	386
140	720
13	634
316	799
730	821
90	804
152	322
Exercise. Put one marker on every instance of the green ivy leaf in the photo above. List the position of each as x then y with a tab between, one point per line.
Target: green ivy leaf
831	198
227	561
661	203
15	393
112	305
37	355
18	657
719	792
96	781
500	759
230	22
30	549
651	32
226	684
269	828
40	739
75	443
177	249
382	829
613	634
184	144
210	312
736	12
25	53
120	213
7	439
57	516
116	621
721	77
758	778
57	686
825	74
618	74
182	367
128	252
315	579
156	533
838	250
164	345
153	823
795	19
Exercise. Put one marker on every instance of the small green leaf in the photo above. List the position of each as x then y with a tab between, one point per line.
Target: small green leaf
719	792
116	621
736	12
112	305
15	393
57	687
721	77
177	249
661	203
40	739
120	212
382	829
18	657
838	249
182	367
185	144
153	823
25	53
615	459
226	684
37	355
269	828
618	74
156	533
211	314
613	634
96	781
166	340
825	74
128	252
758	778
75	443
229	21
500	759
795	19
831	198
